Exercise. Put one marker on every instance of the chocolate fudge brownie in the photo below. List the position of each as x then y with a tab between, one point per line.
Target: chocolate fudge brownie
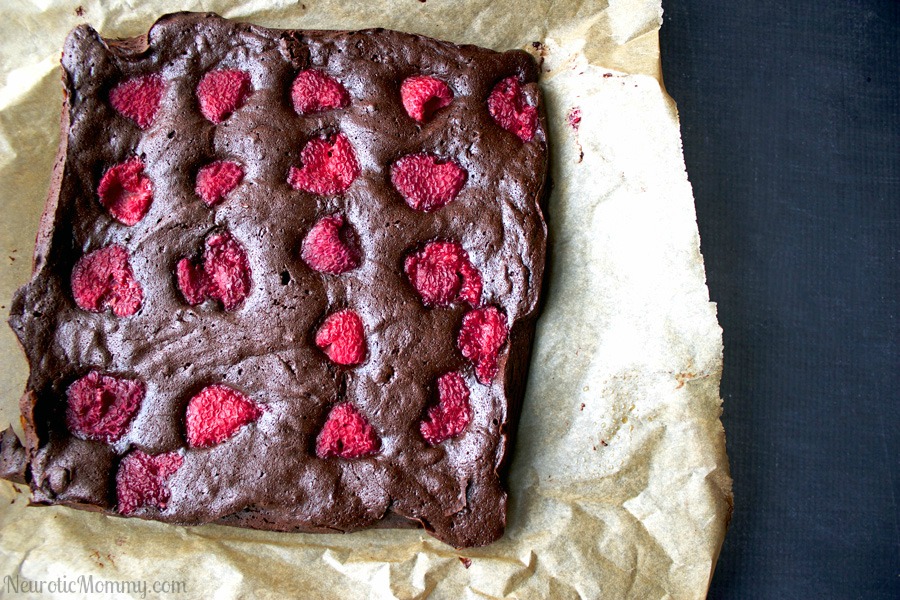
284	280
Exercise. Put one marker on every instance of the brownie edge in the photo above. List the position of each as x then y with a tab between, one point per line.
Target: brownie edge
284	280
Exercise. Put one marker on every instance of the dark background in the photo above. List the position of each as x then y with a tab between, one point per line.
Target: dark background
790	114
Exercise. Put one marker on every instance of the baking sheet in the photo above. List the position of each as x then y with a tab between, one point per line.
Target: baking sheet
619	484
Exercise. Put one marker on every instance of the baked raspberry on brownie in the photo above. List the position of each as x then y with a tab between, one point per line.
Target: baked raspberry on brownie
284	280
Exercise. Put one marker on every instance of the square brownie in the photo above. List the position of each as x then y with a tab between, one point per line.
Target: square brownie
284	280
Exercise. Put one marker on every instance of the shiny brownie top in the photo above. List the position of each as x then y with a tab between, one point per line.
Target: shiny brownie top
286	279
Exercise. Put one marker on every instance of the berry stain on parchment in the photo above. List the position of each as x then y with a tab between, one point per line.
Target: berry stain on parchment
573	118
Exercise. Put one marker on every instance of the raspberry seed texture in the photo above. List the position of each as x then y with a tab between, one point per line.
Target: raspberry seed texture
452	414
126	192
101	407
216	414
103	279
510	110
331	247
343	338
216	180
138	99
346	434
142	480
313	91
223	275
222	92
442	275
422	96
483	333
425	182
329	167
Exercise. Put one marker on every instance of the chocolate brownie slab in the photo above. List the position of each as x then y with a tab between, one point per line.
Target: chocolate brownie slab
285	280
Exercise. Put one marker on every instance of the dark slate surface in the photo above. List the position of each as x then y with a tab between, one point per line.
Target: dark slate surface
790	113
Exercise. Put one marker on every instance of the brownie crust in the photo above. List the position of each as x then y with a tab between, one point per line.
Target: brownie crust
268	475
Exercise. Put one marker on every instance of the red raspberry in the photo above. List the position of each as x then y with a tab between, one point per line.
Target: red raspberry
138	98
142	480
425	183
346	434
101	407
216	413
507	105
329	167
126	192
442	274
330	247
342	338
104	279
222	92
314	91
482	334
224	274
422	96
216	180
451	416
192	281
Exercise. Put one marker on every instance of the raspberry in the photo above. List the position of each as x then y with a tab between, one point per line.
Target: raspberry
216	413
222	92
442	274
224	274
104	279
216	180
329	167
330	247
425	183
422	96
142	478
346	434
138	99
192	281
451	416
342	338
482	334
507	105
126	192
314	91
101	407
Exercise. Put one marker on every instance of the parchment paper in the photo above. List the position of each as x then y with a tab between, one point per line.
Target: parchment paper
619	484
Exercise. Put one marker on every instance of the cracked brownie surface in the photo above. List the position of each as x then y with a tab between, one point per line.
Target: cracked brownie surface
285	279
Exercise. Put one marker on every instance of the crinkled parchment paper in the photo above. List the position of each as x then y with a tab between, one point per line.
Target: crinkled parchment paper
619	484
